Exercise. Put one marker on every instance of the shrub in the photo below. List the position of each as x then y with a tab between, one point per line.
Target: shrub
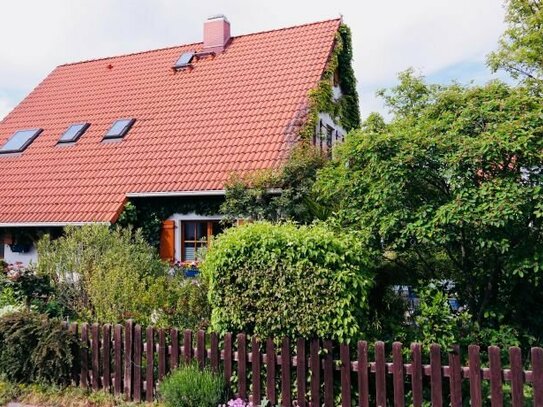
277	280
35	349
189	386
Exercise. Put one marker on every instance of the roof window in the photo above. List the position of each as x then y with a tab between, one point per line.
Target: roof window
119	128
184	60
74	132
20	140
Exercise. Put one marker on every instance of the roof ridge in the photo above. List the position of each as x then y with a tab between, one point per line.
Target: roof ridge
338	19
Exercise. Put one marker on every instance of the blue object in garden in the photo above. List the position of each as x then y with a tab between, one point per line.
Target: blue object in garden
455	305
192	272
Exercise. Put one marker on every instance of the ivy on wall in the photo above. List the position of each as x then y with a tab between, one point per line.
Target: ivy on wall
148	214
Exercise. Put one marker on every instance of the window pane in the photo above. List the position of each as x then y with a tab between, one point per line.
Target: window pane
190	253
190	228
119	128
20	140
202	230
217	228
74	132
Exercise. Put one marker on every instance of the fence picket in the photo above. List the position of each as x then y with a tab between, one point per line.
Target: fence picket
345	375
398	374
328	373
95	356
271	361
214	352
495	365
256	363
363	385
84	377
162	354
455	377
517	377
174	354
416	374
106	356
149	363
435	375
137	363
118	347
380	375
537	374
286	362
242	365
475	376
74	327
187	346
315	367
128	333
300	371
228	357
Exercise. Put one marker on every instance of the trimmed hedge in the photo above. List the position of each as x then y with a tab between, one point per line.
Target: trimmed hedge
286	280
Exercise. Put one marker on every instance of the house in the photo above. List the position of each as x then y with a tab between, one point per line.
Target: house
163	127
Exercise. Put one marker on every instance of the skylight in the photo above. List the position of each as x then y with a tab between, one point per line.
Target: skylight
184	60
74	132
119	128
20	140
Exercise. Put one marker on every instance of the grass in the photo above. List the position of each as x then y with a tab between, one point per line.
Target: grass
50	396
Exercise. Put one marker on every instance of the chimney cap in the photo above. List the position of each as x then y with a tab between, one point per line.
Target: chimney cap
217	17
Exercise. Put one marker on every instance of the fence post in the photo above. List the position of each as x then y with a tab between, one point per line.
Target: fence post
398	375
496	383
187	346
475	376
106	351
128	334
228	358
363	385
162	351
174	354
286	365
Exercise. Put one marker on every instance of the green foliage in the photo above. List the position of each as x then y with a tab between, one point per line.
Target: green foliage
189	386
277	280
35	349
451	189
110	275
147	214
520	49
249	196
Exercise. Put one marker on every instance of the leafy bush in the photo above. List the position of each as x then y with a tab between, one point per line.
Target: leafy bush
275	280
35	349
189	386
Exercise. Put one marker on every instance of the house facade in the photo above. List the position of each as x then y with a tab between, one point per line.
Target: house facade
171	123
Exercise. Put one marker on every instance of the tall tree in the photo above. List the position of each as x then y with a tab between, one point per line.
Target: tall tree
520	49
451	188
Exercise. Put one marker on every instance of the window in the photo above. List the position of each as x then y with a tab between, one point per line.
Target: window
184	60
20	140
196	235
329	140
119	128
74	132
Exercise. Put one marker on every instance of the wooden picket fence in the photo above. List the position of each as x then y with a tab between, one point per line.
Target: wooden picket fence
128	360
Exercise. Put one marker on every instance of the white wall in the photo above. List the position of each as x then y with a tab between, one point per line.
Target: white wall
25	258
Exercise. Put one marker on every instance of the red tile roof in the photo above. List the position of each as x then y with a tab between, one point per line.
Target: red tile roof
232	112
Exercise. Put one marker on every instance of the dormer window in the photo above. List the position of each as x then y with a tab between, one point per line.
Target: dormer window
73	133
20	140
119	128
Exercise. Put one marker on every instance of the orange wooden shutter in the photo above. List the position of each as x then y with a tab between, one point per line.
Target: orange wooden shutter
167	241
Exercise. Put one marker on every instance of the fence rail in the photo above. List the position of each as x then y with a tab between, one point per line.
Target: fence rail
128	360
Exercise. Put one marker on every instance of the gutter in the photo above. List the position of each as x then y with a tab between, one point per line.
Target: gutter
215	192
48	224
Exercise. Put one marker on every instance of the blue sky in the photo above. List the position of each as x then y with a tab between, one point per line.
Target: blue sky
443	39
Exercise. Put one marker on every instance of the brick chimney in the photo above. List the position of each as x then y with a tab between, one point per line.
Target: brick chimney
216	33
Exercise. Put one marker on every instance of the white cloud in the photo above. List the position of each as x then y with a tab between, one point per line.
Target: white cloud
388	36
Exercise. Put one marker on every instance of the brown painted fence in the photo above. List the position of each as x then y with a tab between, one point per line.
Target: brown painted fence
129	360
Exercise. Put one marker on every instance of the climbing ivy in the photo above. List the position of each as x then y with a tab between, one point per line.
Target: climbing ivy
321	98
148	214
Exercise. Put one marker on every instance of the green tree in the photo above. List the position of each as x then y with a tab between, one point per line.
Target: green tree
520	49
451	188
